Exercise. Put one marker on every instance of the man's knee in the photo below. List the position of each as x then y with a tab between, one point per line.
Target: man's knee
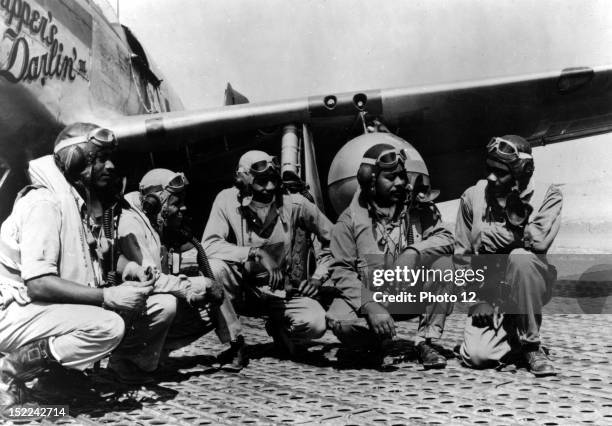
522	260
162	308
483	347
525	269
108	330
224	274
309	321
477	356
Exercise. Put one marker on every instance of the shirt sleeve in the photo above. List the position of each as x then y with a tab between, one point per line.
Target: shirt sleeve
463	226
215	238
344	267
39	240
315	221
541	231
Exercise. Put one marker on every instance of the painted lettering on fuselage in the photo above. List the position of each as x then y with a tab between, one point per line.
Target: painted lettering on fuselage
26	26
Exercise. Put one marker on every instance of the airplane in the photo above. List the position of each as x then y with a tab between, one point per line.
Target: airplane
72	60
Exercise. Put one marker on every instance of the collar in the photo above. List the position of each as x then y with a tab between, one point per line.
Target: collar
79	201
387	215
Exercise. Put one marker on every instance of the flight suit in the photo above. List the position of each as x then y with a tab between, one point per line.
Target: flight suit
230	233
365	239
46	234
169	322
521	285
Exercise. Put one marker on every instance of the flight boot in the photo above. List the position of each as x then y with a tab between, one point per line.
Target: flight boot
430	356
64	385
538	362
20	366
284	345
235	358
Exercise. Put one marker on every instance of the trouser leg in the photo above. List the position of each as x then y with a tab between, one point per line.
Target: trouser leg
146	333
188	326
301	318
431	322
351	329
530	283
226	320
79	334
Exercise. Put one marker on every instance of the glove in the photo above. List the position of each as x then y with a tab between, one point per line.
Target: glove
10	293
134	272
309	287
275	280
379	320
517	211
129	296
201	291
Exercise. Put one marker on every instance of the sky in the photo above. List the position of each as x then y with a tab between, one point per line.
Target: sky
279	49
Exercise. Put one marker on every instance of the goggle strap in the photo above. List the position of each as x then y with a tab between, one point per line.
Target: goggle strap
69	142
91	136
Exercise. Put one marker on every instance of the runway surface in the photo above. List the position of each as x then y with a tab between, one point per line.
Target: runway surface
330	386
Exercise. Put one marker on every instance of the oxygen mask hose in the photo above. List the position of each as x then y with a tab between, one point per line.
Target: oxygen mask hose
215	292
112	277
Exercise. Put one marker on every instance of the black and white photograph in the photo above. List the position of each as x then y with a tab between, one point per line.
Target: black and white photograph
311	212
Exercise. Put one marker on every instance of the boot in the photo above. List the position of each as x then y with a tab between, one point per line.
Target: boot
538	362
286	347
129	373
51	387
430	356
20	366
235	358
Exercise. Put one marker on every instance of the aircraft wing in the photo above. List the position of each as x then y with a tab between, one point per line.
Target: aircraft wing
448	123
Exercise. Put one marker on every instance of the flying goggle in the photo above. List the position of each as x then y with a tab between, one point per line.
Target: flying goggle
100	137
264	166
505	150
388	159
176	184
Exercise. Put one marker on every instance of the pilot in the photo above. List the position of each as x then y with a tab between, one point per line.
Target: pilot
391	221
504	215
55	319
146	229
248	239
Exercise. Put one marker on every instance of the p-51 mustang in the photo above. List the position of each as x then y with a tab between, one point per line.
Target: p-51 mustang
71	60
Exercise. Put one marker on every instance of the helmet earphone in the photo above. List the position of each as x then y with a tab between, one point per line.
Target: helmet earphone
243	181
151	204
76	161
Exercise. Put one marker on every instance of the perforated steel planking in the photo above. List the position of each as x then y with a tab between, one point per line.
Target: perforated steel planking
323	389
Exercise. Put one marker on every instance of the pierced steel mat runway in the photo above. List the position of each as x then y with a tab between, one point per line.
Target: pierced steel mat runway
329	388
